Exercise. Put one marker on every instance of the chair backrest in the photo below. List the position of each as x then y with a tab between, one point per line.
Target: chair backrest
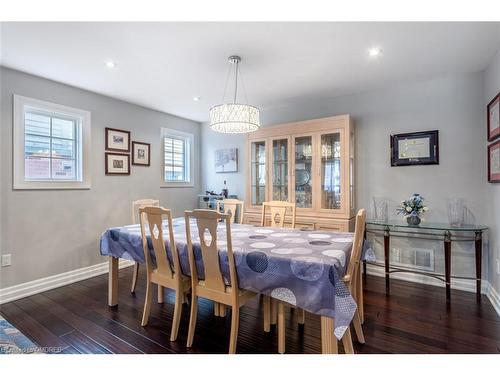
136	205
207	221
231	206
357	244
278	211
152	219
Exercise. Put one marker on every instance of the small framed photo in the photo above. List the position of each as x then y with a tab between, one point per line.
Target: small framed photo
494	162
141	153
493	116
117	140
117	164
226	160
418	148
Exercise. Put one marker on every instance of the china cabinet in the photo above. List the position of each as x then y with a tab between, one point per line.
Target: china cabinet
310	163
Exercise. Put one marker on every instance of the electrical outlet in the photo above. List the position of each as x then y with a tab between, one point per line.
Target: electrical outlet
6	259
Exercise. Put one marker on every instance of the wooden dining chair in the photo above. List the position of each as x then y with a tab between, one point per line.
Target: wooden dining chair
136	205
212	285
351	279
278	210
232	205
162	273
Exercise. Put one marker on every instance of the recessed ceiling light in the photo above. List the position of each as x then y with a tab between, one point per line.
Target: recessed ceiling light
374	52
196	98
110	64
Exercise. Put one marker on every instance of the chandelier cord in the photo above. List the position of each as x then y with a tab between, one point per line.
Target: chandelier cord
236	63
243	86
227	81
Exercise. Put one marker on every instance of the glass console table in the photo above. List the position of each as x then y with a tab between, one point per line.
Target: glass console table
432	231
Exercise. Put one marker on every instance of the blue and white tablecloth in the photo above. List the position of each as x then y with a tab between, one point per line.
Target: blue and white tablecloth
303	268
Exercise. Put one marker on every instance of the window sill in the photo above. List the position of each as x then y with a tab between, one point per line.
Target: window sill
177	185
52	186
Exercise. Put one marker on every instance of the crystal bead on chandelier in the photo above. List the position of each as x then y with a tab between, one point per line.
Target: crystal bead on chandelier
234	118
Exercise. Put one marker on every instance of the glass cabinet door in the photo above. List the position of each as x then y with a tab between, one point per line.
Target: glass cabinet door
303	171
331	174
258	172
280	170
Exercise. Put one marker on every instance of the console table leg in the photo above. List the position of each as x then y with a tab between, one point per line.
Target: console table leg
447	264
479	250
386	258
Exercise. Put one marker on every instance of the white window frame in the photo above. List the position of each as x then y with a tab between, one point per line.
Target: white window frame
20	183
188	138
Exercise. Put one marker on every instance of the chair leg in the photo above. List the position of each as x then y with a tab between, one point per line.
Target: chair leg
177	315
135	275
356	321
360	296
281	328
347	342
267	313
192	320
274	311
216	309
222	310
301	316
328	340
147	303
160	294
235	322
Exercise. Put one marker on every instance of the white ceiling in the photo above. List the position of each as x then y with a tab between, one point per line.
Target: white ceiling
164	65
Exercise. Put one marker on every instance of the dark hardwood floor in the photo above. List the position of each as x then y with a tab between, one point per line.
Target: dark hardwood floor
413	319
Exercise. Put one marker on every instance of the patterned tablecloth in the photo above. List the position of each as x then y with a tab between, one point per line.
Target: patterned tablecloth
303	268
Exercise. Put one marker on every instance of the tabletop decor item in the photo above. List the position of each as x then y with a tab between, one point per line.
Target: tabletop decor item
493	117
141	153
417	148
117	140
412	208
494	162
456	212
380	211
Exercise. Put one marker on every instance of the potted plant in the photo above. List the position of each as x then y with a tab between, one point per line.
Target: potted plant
413	209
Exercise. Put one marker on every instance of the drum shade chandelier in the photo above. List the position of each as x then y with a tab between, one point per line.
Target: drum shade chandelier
234	118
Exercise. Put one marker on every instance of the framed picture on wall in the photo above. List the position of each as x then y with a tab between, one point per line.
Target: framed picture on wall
418	148
141	153
226	160
494	162
117	164
117	140
493	110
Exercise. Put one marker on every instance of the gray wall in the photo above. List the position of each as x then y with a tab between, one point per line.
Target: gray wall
453	104
50	232
491	88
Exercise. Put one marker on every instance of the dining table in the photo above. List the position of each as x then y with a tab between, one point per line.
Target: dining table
302	268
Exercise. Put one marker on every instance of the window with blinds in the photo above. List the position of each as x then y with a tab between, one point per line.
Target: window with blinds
51	146
177	157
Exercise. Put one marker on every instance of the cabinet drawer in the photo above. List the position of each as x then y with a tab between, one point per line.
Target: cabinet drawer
334	227
304	226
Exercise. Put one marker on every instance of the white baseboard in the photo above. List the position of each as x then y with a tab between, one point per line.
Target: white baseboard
459	284
41	285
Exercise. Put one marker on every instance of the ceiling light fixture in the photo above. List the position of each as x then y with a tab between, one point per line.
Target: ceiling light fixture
234	118
374	52
196	98
110	64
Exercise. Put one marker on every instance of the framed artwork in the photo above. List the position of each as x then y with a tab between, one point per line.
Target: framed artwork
419	148
226	160
117	164
494	162
493	116
117	140
141	153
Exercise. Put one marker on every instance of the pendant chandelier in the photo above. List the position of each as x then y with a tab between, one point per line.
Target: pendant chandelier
234	118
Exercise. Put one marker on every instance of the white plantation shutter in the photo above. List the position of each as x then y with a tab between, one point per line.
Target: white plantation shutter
177	148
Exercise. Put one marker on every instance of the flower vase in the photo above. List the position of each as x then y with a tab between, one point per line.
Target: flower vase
413	220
